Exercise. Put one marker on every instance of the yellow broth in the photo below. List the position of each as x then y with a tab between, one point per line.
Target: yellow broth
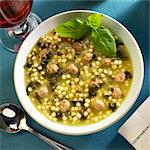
98	75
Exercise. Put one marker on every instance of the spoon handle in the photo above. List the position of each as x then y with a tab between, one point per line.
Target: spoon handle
49	141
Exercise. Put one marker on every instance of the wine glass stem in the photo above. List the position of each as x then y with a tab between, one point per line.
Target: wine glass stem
20	31
11	38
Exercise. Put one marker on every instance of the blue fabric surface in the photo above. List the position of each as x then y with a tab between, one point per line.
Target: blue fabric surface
133	14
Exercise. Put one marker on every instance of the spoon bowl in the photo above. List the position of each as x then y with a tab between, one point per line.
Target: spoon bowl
13	120
10	117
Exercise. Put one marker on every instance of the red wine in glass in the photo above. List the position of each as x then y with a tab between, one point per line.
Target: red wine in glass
18	23
13	12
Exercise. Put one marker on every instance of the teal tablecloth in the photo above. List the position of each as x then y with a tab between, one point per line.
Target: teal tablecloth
134	15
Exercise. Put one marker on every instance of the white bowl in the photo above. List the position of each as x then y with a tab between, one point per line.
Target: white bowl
50	24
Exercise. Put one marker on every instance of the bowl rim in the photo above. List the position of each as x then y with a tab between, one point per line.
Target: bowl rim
116	119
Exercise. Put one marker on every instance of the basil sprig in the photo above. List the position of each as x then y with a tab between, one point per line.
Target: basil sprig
94	21
74	29
101	37
103	41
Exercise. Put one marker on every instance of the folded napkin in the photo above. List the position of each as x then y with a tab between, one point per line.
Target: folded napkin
136	130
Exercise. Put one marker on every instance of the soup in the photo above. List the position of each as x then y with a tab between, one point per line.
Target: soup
70	82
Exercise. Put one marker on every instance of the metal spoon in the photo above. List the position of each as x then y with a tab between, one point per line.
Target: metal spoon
13	120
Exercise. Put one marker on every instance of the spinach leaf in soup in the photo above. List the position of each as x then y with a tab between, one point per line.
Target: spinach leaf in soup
103	41
73	29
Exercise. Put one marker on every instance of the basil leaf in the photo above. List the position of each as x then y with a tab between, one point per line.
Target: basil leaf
74	29
94	21
103	41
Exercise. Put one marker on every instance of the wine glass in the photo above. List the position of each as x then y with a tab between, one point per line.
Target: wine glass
16	22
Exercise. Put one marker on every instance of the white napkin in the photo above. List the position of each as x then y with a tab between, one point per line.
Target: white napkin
136	130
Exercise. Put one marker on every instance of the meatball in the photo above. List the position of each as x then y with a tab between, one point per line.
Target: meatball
106	61
64	105
42	91
120	77
97	105
77	45
52	68
116	93
87	57
43	53
72	69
